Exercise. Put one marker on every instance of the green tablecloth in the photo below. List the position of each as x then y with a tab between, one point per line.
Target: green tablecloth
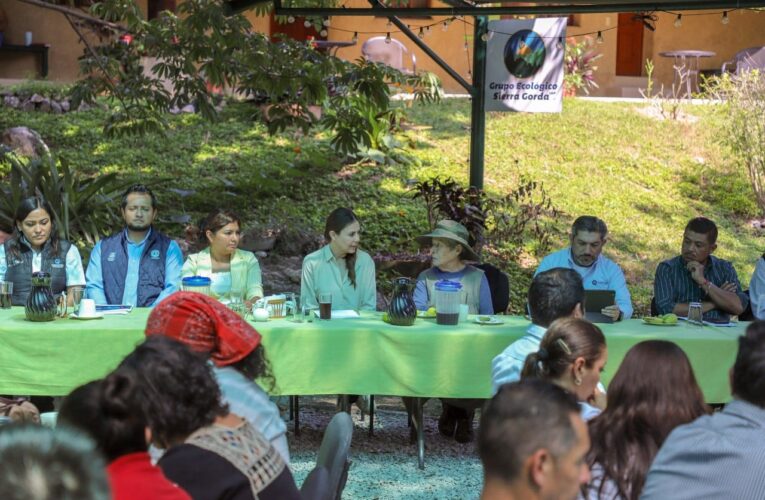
354	356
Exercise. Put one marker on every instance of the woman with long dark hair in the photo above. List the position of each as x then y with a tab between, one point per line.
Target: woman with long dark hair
210	452
109	411
231	269
653	392
35	246
572	354
340	267
233	348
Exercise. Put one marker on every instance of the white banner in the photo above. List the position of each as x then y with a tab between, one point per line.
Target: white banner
524	65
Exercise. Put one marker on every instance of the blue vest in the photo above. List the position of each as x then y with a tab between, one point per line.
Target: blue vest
151	270
20	269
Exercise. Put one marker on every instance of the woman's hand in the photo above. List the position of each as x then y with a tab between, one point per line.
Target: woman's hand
597	399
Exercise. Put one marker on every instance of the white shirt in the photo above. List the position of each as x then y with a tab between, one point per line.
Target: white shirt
757	290
74	273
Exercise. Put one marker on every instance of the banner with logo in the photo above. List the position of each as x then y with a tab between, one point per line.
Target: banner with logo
524	65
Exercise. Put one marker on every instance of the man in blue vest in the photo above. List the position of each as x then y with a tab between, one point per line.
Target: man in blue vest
138	266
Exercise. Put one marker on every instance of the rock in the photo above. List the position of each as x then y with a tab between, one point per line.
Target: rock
55	108
189	108
261	255
174	110
83	107
11	101
37	98
281	274
24	141
299	242
65	105
44	106
258	240
28	106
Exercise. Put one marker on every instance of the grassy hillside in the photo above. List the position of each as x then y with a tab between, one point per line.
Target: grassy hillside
643	176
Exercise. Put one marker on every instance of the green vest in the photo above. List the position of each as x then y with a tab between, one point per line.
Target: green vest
471	283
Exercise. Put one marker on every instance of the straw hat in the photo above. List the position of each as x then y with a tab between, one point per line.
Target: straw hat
450	230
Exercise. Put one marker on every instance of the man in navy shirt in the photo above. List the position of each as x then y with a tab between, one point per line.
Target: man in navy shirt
588	237
697	276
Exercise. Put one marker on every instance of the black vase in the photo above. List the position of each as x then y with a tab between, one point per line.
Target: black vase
41	306
401	309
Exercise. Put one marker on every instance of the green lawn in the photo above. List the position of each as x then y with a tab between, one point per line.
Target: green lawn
643	176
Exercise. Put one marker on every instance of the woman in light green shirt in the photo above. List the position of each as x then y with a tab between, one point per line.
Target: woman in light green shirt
232	270
339	267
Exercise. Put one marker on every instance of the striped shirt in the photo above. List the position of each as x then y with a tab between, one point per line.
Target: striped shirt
715	456
674	285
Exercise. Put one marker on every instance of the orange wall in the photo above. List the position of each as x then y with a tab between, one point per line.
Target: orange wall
745	29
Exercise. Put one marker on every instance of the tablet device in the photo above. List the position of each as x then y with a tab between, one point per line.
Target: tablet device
595	301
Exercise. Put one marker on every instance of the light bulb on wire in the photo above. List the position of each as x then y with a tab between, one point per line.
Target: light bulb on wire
679	21
389	23
291	19
323	33
445	25
355	37
326	22
599	38
421	33
725	19
387	37
485	37
307	23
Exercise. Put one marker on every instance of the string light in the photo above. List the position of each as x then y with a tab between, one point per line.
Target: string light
387	37
725	19
599	38
326	22
445	26
307	23
421	34
291	19
323	33
679	21
485	37
560	43
427	29
355	37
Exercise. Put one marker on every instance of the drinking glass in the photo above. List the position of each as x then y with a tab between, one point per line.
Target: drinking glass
294	312
76	293
6	292
236	303
325	305
695	314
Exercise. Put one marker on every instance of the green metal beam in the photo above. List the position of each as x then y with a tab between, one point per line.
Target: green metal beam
673	5
477	113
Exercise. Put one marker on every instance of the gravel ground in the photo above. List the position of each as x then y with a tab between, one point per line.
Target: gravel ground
385	466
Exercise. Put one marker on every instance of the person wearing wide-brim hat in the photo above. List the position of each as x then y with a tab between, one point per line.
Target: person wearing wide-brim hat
449	249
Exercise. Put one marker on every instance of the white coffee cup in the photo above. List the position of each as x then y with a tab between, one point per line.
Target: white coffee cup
48	419
87	308
260	314
27	38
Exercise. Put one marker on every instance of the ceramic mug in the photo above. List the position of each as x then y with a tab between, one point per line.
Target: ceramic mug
87	308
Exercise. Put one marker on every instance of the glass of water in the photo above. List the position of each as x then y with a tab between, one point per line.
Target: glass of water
695	314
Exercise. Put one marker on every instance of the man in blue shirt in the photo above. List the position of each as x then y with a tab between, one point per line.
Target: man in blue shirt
588	237
138	266
696	276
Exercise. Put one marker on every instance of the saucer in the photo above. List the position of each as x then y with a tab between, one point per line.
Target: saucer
96	316
488	320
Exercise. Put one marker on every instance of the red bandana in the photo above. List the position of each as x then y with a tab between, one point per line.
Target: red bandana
205	325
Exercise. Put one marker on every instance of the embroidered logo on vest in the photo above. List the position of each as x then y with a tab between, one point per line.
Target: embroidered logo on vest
112	257
154	254
57	263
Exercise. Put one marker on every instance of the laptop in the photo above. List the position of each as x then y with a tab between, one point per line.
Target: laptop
595	301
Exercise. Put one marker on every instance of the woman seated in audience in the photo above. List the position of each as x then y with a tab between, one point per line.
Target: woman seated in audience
109	412
35	246
233	346
572	354
210	452
653	391
234	272
340	268
449	249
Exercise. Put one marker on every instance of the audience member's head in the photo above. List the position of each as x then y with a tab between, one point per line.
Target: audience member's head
571	354
177	390
209	327
748	374
38	463
588	235
532	442
699	239
109	411
139	207
653	391
556	293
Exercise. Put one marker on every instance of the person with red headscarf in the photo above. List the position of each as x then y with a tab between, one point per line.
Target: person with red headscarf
233	346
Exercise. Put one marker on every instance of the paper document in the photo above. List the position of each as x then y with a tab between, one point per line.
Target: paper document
113	308
341	314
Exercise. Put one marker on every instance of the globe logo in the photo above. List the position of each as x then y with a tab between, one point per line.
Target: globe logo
524	54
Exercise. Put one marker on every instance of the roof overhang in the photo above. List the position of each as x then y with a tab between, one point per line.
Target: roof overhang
489	8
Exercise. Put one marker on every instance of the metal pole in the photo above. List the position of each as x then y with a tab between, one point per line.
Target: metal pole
478	115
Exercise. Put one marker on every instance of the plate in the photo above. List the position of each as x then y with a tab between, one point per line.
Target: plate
488	320
649	321
424	314
75	316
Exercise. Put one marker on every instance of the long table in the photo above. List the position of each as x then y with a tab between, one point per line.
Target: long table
351	356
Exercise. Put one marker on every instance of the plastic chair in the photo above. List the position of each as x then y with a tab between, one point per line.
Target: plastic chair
334	450
747	60
392	53
316	485
499	284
